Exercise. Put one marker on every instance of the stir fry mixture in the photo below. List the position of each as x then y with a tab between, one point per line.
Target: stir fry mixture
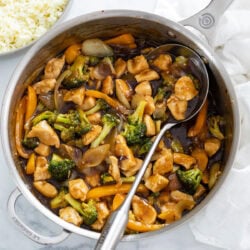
86	122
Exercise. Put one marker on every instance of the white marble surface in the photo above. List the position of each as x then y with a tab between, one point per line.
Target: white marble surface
10	236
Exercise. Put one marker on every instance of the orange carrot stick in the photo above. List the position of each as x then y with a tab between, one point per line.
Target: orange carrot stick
124	39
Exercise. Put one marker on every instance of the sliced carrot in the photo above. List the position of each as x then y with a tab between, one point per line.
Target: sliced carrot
112	102
19	128
124	39
31	164
141	227
31	103
108	190
200	121
72	52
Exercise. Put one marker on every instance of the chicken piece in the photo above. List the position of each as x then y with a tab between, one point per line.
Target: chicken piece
120	67
149	108
201	157
54	67
88	103
130	169
103	213
156	182
114	170
108	86
150	125
41	171
93	179
123	92
184	160
95	118
91	135
70	215
78	189
75	95
147	75
165	163
45	133
163	62
184	89
211	146
143	211
180	196
144	88
148	172
45	188
42	149
44	86
177	107
137	64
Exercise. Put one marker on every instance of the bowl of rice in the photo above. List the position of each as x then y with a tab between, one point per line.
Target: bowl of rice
23	22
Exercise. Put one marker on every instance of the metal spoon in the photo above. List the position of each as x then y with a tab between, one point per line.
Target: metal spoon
118	219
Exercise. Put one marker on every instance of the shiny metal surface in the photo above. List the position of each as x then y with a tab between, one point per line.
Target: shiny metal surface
105	24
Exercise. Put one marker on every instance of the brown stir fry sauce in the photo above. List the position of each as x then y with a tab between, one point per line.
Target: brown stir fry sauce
84	126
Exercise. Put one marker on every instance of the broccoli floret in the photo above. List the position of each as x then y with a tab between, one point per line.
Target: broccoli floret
93	60
106	178
72	124
190	179
47	115
87	210
30	143
109	121
143	148
161	95
100	105
78	74
60	168
214	123
59	201
135	129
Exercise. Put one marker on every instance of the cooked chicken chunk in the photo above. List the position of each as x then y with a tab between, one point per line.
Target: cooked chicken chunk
184	88
46	189
163	62
53	68
114	170
165	162
147	75
41	171
103	213
129	169
201	157
123	92
144	88
78	189
75	95
156	182
177	195
120	67
137	64
212	145
93	179
91	135
177	107
149	108
108	86
95	118
150	125
45	133
184	160
44	86
42	149
88	103
143	211
70	215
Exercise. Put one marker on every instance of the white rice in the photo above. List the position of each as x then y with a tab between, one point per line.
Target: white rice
23	21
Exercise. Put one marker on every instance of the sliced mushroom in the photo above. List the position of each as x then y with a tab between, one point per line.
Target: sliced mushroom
156	182
184	160
75	95
147	75
78	189
123	92
211	146
54	67
177	107
137	64
44	86
163	62
45	133
143	211
70	215
184	88
103	69
144	88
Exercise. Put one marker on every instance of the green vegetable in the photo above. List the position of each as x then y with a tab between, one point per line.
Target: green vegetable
30	143
93	60
143	148
109	121
214	123
135	129
100	105
161	94
72	125
47	115
176	146
78	74
106	178
59	201
87	210
60	168
190	179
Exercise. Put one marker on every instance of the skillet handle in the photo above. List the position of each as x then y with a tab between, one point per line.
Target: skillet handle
45	240
206	20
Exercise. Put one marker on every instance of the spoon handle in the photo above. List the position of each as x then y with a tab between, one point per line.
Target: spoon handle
115	226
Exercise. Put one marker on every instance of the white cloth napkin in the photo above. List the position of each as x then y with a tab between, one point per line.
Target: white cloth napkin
225	222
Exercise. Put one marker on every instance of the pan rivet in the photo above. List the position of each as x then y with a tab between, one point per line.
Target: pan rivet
171	34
